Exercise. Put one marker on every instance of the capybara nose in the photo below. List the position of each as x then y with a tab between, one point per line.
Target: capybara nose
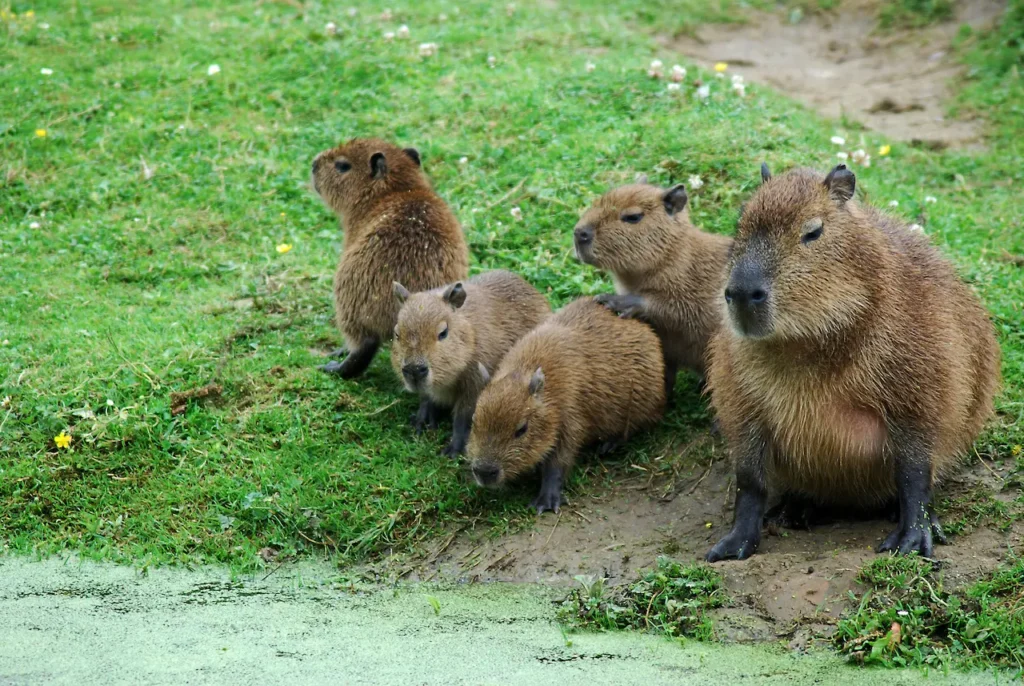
584	234
747	285
415	372
486	474
743	296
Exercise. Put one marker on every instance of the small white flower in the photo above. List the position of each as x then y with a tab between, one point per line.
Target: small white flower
736	78
213	69
491	61
903	613
672	86
678	73
34	225
46	71
110	403
694	182
894	203
739	89
386	15
389	36
117	84
331	28
916	227
403	32
859	156
656	64
463	160
113	39
842	155
930	199
442	17
517	214
44	26
704	92
719	75
838	140
589	66
352	11
428	49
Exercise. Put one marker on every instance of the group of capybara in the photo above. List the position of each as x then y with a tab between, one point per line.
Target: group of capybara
847	363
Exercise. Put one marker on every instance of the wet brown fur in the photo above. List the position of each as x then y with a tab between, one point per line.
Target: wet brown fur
500	308
396	229
875	337
676	267
602	382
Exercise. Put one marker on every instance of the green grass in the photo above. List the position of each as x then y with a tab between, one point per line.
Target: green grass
913	14
671	600
906	618
137	249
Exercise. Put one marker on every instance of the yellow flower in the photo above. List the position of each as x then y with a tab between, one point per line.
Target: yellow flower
63	440
29	14
1016	450
284	247
884	150
721	66
282	214
41	133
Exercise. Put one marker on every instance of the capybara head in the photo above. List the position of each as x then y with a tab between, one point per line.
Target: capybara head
357	173
434	341
514	427
797	268
630	228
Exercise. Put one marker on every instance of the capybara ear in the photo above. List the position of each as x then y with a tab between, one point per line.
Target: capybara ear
400	291
641	179
537	382
484	374
414	155
840	183
675	199
378	165
455	295
766	173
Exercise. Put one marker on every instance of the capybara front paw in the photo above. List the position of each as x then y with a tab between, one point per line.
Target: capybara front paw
548	501
909	539
735	545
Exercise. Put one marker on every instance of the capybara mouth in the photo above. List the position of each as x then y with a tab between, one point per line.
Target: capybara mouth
750	322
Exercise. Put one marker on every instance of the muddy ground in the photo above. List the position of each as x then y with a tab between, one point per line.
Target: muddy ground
838	62
793	589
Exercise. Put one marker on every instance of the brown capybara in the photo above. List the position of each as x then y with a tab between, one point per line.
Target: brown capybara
854	367
583	376
444	337
667	272
396	229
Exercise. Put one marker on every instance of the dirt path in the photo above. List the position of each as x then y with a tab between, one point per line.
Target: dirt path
897	83
794	589
72	623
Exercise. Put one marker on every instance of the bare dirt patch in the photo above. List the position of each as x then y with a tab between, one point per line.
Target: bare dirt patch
796	586
894	82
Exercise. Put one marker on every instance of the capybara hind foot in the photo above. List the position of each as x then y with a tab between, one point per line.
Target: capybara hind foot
356	362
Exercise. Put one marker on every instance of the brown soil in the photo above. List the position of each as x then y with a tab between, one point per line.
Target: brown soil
897	82
795	586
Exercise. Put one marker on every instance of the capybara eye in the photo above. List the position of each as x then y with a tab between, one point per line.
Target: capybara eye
633	218
444	334
342	165
521	431
812	235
